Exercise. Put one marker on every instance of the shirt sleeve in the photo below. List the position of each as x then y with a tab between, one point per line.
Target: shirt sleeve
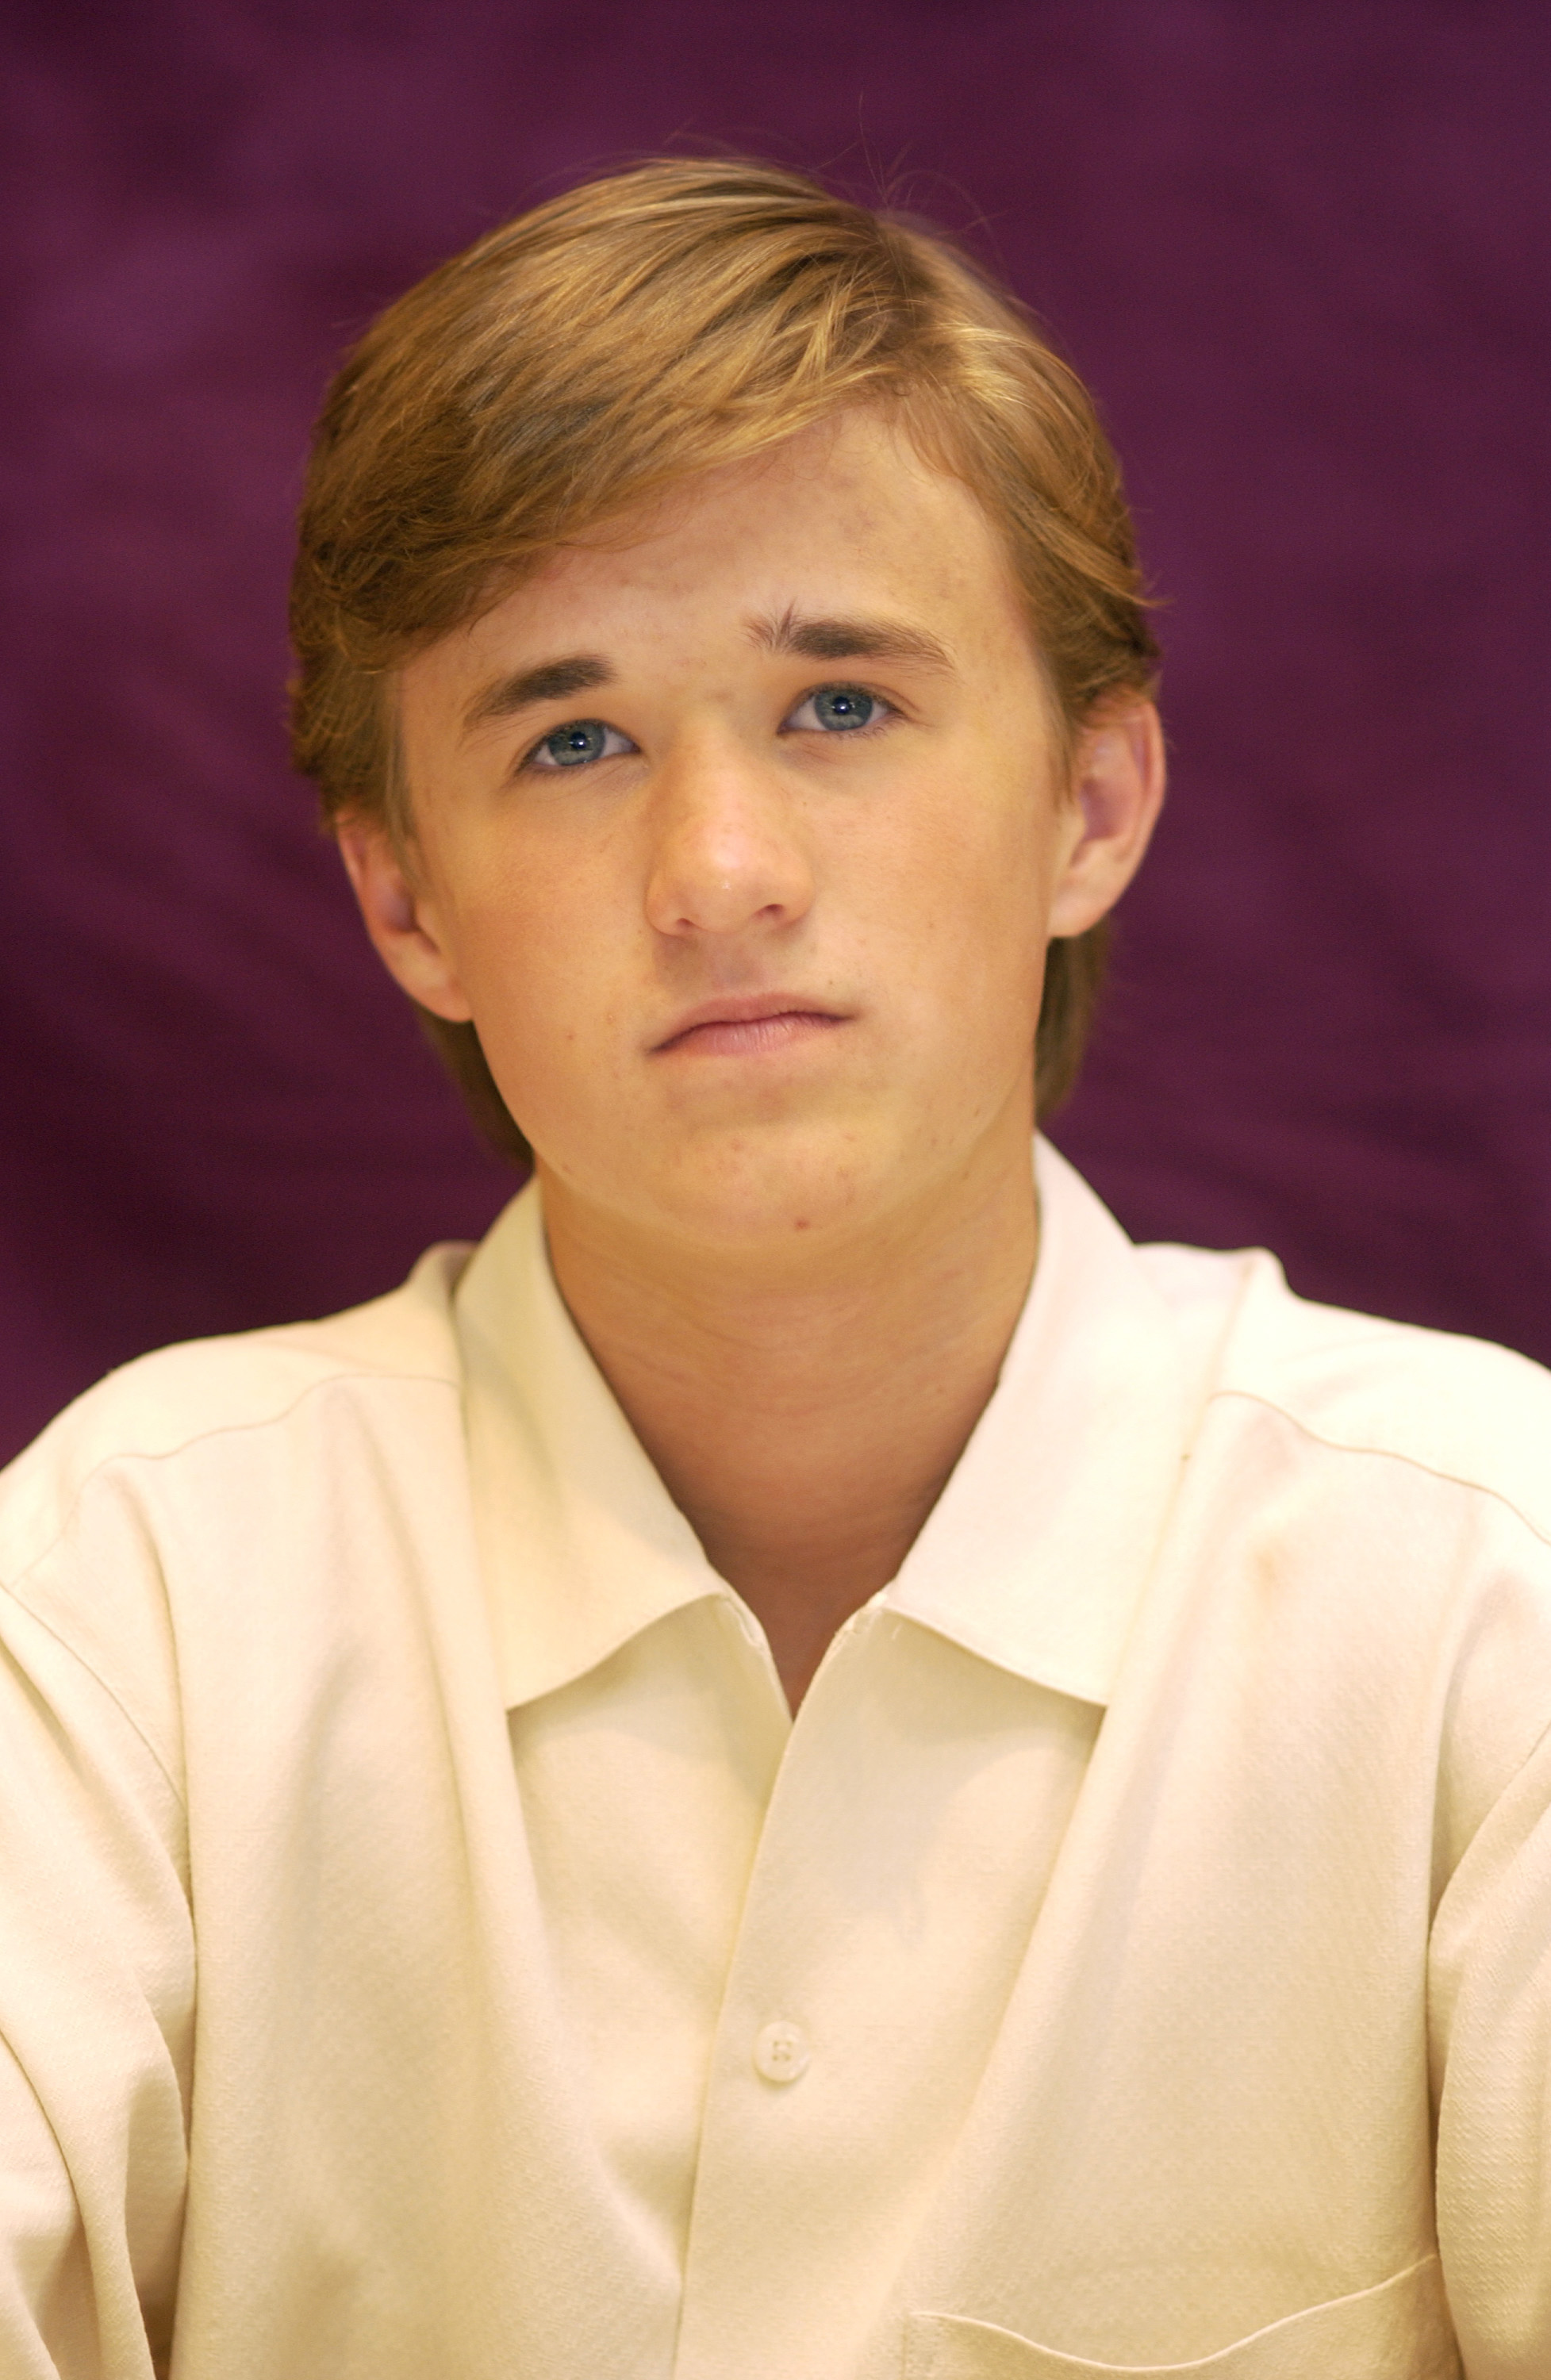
96	2001
1490	2007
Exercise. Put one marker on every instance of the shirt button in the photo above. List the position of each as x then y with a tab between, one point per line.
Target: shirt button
780	2053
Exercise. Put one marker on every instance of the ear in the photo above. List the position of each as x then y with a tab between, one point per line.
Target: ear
402	918
1117	792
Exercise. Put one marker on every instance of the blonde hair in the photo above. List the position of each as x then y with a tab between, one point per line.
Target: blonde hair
643	328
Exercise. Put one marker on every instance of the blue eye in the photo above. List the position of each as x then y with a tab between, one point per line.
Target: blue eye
837	709
579	741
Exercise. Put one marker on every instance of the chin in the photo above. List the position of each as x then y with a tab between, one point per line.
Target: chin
767	1189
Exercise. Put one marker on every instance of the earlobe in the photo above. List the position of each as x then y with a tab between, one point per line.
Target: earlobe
401	918
1117	793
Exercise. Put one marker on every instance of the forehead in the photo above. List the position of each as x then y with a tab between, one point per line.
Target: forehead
845	519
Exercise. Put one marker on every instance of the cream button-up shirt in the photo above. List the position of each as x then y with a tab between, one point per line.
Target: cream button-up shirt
429	1950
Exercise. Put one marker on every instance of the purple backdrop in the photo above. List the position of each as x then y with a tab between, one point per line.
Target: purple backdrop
1301	251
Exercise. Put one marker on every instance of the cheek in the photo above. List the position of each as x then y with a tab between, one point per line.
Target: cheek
973	899
546	986
508	902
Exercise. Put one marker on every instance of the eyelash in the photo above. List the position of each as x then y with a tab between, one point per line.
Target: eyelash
888	708
848	685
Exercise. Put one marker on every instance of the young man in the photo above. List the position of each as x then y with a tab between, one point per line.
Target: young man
807	1767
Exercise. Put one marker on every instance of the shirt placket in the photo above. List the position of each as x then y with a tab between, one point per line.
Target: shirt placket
849	2044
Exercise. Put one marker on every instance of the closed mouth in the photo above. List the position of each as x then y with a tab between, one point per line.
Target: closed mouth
734	1026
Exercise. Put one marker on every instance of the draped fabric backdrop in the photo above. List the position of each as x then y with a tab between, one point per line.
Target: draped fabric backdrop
1300	250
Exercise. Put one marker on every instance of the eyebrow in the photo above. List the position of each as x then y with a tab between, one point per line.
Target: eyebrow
826	639
546	682
844	639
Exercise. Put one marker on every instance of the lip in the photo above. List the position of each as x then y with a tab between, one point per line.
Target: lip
748	1022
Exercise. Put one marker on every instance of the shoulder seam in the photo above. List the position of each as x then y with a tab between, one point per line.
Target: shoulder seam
39	1619
13	1587
168	1454
1389	1455
264	1420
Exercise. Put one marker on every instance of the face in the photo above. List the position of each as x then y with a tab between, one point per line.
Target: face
740	833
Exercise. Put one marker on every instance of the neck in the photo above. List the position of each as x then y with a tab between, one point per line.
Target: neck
804	1418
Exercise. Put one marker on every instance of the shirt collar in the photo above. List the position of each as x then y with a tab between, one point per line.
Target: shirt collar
1033	1557
581	1545
1036	1553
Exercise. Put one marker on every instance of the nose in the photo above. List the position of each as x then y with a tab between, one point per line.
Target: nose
729	852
